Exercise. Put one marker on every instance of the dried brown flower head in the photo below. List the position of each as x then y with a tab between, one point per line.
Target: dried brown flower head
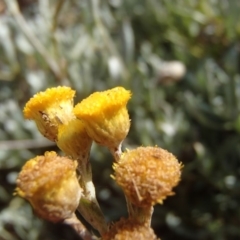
50	184
147	175
129	229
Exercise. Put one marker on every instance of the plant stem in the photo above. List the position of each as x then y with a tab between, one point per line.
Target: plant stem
143	214
92	213
88	206
116	152
75	223
56	14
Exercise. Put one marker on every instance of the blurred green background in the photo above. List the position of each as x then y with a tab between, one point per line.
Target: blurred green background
180	59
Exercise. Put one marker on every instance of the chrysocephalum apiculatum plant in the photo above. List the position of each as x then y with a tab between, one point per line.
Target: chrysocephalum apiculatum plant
57	186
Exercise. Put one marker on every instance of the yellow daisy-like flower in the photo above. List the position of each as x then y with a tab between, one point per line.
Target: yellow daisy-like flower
74	141
49	109
50	184
105	116
129	229
147	175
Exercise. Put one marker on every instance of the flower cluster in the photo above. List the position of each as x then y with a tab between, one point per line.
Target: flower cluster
57	186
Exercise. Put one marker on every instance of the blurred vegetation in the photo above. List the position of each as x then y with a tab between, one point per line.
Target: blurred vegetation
95	45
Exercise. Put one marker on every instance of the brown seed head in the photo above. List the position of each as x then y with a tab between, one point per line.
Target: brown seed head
147	175
129	229
50	184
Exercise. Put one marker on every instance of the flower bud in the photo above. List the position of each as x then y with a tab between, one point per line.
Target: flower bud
105	116
49	109
129	229
147	175
50	184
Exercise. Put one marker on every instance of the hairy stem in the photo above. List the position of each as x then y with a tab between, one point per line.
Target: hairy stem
75	223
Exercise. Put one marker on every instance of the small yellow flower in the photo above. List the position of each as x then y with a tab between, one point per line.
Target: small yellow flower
50	184
129	229
49	109
73	140
147	175
105	116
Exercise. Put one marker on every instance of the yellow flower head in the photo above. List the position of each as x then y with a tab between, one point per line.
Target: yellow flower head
129	229
105	116
147	175
50	184
49	109
73	140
